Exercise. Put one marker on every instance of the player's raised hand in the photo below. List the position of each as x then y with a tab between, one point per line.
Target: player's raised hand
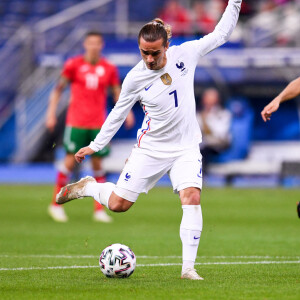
80	155
269	109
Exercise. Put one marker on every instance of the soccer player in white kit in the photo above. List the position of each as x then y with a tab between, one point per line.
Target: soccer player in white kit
168	141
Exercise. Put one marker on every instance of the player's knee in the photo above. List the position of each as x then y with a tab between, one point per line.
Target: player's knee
190	196
119	205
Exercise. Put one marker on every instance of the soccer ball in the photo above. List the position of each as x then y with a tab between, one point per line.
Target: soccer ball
117	260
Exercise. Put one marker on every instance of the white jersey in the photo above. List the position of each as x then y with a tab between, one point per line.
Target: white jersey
167	95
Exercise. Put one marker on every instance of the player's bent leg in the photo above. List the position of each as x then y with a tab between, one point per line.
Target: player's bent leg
100	214
102	192
190	230
118	204
111	196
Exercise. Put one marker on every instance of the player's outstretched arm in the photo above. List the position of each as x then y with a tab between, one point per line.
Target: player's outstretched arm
290	92
269	109
80	155
117	116
54	98
223	29
130	119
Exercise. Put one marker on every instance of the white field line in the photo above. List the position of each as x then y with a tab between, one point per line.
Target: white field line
226	257
48	268
47	256
149	257
266	262
158	265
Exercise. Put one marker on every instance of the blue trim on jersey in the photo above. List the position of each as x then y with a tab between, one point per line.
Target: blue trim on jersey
145	129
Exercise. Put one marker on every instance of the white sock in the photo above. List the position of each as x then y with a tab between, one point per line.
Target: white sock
190	232
100	191
99	173
63	169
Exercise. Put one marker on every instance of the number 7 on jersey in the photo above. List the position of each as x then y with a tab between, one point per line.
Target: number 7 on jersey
175	97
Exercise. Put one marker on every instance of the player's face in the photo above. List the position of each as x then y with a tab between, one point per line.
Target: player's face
153	53
210	99
93	45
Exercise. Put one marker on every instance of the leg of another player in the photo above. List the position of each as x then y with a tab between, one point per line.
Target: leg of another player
190	230
100	214
62	178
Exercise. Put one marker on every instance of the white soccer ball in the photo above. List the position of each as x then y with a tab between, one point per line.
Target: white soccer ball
117	260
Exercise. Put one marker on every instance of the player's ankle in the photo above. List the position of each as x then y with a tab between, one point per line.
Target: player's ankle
187	264
90	190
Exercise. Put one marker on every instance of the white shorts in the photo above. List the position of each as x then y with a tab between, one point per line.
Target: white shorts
141	172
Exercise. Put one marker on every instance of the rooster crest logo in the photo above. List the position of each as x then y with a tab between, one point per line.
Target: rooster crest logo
127	176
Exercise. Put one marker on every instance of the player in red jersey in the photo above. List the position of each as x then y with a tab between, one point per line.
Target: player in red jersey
89	75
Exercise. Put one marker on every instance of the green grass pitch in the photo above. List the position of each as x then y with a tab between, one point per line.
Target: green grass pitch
249	248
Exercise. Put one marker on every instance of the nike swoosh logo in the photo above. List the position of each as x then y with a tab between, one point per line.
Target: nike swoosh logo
196	238
147	88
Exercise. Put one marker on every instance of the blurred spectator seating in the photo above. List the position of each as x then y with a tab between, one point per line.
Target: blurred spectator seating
215	124
203	22
236	125
177	16
241	130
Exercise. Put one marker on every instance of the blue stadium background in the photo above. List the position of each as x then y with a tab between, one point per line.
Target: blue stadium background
36	36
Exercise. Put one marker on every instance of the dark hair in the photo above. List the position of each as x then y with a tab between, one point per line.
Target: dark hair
155	30
93	33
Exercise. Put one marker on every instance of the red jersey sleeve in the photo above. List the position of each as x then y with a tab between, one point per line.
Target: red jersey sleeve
114	77
69	69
